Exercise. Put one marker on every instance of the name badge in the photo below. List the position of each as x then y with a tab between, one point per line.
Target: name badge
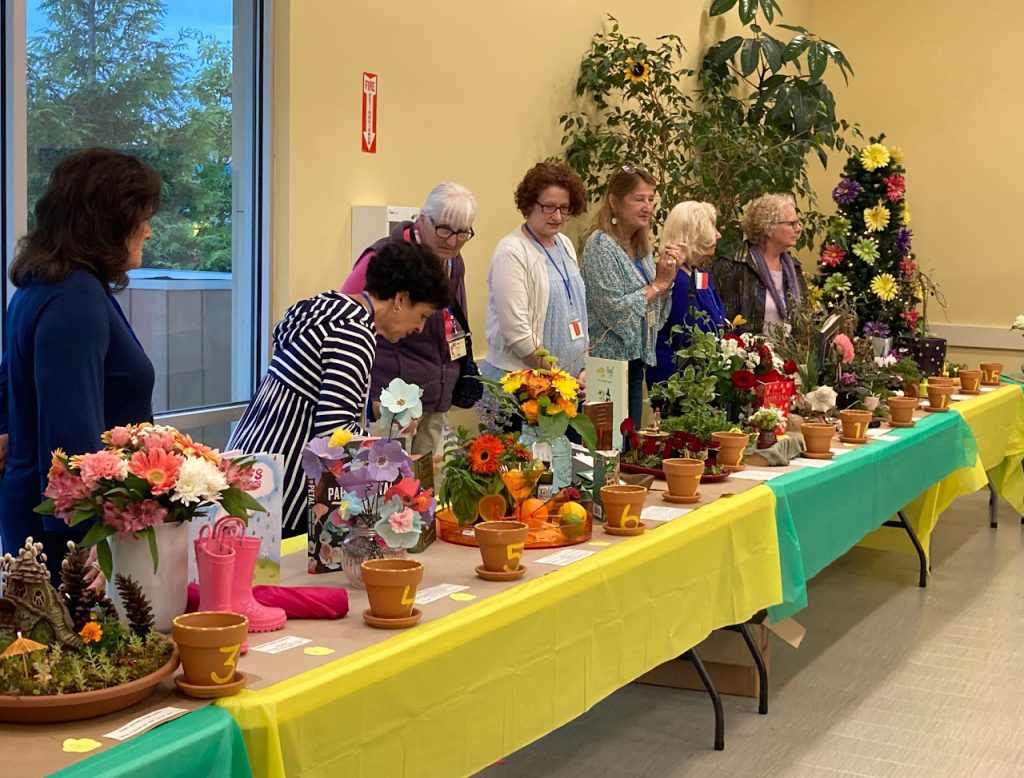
652	319
457	347
575	329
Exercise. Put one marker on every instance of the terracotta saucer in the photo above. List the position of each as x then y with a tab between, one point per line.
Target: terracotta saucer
211	692
976	391
901	424
639	529
734	468
681	500
809	455
379	623
854	441
930	409
490	575
991	383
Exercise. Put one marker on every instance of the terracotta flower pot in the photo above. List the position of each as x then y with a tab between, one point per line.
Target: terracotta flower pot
938	397
817	437
391	586
911	389
622	504
766	439
683	475
731	446
939	380
901	409
501	544
855	424
970	380
990	373
208	642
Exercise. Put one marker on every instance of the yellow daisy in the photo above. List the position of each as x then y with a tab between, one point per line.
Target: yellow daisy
896	154
874	156
512	381
637	72
876	219
905	214
814	295
566	386
884	286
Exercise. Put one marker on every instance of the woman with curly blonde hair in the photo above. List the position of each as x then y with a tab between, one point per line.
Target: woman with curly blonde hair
688	237
759	281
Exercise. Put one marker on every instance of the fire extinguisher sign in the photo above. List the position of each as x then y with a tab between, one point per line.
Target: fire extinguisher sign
369	130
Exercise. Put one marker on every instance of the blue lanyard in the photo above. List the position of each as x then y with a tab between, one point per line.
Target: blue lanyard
367	298
642	271
563	272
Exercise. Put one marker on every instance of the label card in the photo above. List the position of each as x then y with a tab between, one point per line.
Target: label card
281	644
565	557
662	513
142	723
433	593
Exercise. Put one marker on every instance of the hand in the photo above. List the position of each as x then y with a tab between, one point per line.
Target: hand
94	576
665	270
3	453
581	379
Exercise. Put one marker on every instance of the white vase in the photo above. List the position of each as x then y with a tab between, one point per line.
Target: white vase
167	588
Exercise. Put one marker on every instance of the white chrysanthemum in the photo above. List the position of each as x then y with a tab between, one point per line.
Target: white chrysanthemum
887	361
752	361
778	362
730	348
199	480
822	399
747	338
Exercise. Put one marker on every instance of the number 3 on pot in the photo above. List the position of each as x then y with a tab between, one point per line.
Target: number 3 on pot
232	659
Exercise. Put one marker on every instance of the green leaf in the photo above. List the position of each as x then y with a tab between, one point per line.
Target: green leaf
817	59
105	558
796	47
749	56
96	533
238	503
773	51
719	7
585	427
46	508
768	9
794	28
150	534
725	50
81	515
748	8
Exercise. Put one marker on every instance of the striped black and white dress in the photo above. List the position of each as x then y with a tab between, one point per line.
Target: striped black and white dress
318	380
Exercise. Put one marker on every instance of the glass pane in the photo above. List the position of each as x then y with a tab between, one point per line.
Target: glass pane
157	79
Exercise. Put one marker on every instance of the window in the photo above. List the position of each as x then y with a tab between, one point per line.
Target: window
178	83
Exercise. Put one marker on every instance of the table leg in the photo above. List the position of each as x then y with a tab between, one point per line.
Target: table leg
902	522
762	669
716	700
993	506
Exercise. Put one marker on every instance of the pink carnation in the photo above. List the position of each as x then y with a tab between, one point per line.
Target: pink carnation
845	347
103	465
155	440
402	521
66	490
120	437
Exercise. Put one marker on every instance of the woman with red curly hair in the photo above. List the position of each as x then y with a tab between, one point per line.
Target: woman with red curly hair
536	297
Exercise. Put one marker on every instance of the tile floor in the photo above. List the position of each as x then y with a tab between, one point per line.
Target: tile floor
891	680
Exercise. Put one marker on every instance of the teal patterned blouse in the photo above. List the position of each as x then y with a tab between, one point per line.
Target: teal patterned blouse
616	304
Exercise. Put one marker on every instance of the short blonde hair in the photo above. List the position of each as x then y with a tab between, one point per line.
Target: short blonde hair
763	214
692	224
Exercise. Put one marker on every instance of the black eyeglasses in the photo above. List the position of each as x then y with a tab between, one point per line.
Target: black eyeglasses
796	224
565	210
444	232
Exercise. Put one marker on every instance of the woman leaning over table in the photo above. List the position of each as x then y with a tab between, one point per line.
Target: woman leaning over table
626	289
536	297
319	376
72	366
689	237
758	282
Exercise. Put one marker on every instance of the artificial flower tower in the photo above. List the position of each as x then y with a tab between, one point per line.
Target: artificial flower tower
867	258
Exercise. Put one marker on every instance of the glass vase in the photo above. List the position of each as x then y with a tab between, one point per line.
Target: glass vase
360	544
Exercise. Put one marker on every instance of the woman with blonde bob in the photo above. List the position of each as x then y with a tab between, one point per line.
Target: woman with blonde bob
688	239
762	278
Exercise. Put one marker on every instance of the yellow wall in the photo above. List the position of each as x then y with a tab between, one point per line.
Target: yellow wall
469	91
939	80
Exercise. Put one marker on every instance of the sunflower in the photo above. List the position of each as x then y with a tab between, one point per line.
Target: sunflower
876	219
637	72
874	156
484	453
884	286
92	632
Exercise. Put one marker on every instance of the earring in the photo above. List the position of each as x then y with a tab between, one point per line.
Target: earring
615	220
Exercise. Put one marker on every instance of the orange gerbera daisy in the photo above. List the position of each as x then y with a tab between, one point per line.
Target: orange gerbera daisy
190	448
484	453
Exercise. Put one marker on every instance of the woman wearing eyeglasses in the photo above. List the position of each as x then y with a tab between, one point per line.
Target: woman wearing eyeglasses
536	298
627	291
760	280
429	358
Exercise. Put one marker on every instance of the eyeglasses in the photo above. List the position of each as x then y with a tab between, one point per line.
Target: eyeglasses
444	232
565	210
634	169
796	224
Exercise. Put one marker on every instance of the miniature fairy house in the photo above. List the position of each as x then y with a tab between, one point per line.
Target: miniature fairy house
29	604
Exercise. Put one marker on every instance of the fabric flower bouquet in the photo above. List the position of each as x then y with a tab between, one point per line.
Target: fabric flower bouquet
366	502
146	475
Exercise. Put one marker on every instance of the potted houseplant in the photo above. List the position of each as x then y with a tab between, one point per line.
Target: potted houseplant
769	421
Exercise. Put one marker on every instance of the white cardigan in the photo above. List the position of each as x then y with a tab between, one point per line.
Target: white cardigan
517	299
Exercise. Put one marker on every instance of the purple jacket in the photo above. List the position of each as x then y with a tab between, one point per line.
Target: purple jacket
420	358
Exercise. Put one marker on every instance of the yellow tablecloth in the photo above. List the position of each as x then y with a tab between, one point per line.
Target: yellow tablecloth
455	694
996	419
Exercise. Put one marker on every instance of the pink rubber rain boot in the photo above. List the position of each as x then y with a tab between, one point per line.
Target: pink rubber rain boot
261	618
216	566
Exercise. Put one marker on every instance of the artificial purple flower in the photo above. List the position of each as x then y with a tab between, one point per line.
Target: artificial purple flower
846	192
317	453
385	460
359	481
876	329
848	379
902	243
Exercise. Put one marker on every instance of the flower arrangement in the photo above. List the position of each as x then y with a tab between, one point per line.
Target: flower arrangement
870	262
768	418
649	452
147	474
473	465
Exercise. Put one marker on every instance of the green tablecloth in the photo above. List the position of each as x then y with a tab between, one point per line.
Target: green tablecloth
206	743
821	513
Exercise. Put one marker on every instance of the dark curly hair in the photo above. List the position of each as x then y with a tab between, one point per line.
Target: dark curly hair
545	174
411	268
95	201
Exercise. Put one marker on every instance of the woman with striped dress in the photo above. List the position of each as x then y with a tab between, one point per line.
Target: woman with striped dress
319	376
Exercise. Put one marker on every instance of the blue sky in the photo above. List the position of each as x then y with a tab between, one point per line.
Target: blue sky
212	17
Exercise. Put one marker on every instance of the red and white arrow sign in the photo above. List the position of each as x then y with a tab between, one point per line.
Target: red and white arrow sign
369	134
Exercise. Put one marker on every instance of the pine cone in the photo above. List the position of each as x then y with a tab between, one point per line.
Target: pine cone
136	604
93	602
72	580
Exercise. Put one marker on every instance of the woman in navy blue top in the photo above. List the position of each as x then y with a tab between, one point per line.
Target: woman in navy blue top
689	237
72	367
